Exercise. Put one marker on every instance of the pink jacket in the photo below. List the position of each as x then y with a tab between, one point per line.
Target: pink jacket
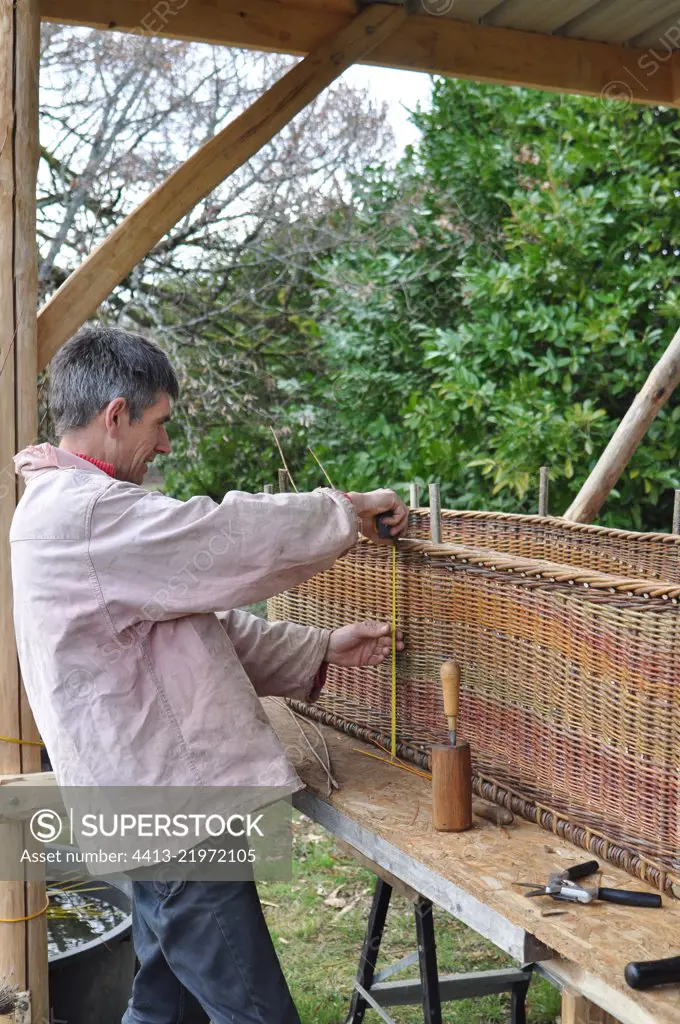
131	676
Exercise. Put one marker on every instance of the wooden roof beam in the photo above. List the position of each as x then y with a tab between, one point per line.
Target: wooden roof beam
438	45
114	258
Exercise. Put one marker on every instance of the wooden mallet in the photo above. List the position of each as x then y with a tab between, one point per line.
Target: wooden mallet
451	765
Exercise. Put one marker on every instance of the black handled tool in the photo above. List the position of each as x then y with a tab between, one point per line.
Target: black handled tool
627	897
572	892
562	885
574	873
381	527
558	880
650	973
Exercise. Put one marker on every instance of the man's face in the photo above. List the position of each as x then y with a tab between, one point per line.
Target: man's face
138	443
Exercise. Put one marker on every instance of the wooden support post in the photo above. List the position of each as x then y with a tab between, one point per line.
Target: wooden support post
435	514
543	488
81	294
414	495
657	389
23	945
577	1009
269	488
283	481
676	511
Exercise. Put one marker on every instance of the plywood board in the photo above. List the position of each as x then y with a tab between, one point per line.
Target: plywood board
394	805
469	909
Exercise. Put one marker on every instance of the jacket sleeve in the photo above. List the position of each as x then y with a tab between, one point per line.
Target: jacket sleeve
153	558
282	659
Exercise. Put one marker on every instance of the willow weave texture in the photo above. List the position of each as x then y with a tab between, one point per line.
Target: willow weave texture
568	638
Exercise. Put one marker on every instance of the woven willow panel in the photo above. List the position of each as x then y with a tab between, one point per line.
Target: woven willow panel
568	638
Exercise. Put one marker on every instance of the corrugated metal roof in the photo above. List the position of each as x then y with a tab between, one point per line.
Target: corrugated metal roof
643	23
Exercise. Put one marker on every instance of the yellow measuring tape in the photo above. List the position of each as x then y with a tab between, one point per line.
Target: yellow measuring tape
28	743
394	651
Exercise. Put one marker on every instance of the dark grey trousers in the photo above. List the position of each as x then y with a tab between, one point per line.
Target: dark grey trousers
205	954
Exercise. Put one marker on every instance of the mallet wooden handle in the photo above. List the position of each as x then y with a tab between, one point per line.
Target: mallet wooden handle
452	765
492	812
450	676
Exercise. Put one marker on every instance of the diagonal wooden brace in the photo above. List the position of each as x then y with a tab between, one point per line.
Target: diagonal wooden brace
114	258
655	392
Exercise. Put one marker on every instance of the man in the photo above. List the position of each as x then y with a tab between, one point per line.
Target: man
132	677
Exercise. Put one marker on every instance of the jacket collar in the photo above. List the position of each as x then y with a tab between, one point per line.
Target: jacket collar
38	457
107	467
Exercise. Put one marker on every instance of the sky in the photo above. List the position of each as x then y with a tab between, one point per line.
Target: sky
401	90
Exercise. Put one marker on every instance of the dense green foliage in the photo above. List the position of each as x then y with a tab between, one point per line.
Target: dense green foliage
493	306
249	371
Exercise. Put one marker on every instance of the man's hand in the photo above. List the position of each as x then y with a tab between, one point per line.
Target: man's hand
368	504
362	643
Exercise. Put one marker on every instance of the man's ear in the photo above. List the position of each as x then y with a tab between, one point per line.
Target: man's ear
114	414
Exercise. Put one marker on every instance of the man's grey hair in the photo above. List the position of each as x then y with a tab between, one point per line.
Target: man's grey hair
99	364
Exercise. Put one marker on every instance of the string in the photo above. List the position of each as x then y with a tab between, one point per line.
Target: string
400	762
393	764
332	782
30	916
31	743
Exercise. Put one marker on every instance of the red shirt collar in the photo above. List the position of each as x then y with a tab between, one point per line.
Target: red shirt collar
108	467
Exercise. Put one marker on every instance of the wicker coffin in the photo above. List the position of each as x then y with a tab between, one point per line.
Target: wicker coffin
568	638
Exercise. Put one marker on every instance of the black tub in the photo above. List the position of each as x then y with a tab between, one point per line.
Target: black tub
91	983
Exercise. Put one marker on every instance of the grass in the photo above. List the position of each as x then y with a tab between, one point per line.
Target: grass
318	921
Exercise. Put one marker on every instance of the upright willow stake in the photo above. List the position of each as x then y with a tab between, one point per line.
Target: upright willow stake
435	514
543	492
676	512
285	464
414	495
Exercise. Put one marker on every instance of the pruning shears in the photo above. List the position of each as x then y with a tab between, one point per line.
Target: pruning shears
563	885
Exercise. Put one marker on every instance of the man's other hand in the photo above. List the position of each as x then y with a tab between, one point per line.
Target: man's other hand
362	643
369	503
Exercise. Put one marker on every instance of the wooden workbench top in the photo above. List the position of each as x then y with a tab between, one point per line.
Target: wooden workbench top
594	942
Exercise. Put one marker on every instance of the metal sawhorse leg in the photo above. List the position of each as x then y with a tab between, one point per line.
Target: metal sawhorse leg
374	991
